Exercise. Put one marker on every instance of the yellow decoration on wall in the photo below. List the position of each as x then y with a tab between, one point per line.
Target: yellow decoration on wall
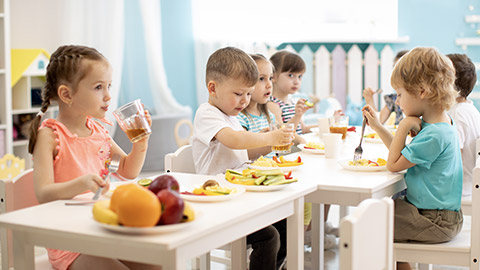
22	59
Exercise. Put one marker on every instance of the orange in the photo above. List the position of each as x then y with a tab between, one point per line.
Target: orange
135	206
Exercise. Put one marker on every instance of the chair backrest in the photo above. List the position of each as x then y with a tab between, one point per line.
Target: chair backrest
11	166
181	141
366	236
475	226
467	201
180	161
14	194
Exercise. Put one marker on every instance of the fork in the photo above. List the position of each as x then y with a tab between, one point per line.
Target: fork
359	151
112	168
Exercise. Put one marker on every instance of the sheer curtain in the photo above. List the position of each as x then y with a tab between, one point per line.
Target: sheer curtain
163	99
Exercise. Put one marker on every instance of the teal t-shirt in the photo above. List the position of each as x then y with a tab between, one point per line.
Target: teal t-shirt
255	123
435	182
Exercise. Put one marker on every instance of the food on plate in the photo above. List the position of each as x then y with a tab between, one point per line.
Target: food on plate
375	135
259	177
135	206
102	213
211	188
144	182
210	183
188	213
368	163
164	181
314	145
172	206
264	162
282	162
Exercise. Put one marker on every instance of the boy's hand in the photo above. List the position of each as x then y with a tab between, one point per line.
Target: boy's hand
282	136
371	115
411	125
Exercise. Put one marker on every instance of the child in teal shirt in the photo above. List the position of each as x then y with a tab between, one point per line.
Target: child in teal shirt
430	211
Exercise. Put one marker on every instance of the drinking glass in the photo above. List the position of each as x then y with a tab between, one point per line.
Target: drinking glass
282	149
131	118
339	124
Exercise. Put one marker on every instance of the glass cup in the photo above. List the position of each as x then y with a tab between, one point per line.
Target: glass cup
131	118
339	124
282	149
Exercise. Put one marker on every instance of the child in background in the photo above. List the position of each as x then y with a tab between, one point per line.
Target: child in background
256	117
390	99
70	152
466	116
430	211
219	142
287	79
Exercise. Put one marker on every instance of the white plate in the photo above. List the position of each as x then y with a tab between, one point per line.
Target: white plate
313	151
200	198
373	140
284	169
263	188
344	164
149	230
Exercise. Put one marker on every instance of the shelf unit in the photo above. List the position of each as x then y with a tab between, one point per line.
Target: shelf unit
28	78
5	85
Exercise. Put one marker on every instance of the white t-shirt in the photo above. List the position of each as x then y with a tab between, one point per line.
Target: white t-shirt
212	157
467	119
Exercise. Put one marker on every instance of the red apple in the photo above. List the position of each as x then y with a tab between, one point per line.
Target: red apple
172	207
164	181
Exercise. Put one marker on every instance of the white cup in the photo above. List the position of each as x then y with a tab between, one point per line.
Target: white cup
333	144
323	125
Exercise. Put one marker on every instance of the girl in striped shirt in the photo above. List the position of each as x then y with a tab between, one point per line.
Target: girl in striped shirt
256	117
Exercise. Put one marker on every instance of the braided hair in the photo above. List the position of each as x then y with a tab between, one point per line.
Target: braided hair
64	68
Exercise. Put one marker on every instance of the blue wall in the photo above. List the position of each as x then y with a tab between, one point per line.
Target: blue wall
433	23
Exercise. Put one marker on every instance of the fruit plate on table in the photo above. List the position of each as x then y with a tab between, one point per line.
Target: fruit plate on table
345	164
311	150
239	190
159	229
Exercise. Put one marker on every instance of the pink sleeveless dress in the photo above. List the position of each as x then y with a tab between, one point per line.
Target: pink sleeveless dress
76	157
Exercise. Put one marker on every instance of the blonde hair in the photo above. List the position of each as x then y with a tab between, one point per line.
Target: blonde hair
426	69
65	68
230	62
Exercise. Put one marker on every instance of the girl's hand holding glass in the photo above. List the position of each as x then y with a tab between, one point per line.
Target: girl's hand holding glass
283	136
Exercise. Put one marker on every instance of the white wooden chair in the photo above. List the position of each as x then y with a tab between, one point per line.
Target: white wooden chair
181	141
467	201
14	195
182	161
462	250
366	236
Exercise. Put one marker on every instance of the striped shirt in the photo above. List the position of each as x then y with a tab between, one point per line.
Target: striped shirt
255	123
288	111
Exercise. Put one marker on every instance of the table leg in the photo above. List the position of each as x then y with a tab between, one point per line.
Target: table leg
23	254
295	236
239	254
318	235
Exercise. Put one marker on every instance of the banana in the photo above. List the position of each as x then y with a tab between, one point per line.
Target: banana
188	213
102	213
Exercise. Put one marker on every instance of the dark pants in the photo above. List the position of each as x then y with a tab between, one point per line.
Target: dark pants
281	227
265	244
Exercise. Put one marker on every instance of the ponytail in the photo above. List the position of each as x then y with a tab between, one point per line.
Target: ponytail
33	129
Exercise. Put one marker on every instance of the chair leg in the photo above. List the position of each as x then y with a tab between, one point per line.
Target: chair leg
204	261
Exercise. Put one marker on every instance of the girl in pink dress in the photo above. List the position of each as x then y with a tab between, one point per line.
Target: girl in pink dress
70	152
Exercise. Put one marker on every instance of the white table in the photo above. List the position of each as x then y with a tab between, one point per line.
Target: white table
342	187
72	228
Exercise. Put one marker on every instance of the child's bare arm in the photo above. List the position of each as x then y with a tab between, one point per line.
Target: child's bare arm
46	189
249	140
131	164
257	152
372	120
275	109
396	161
